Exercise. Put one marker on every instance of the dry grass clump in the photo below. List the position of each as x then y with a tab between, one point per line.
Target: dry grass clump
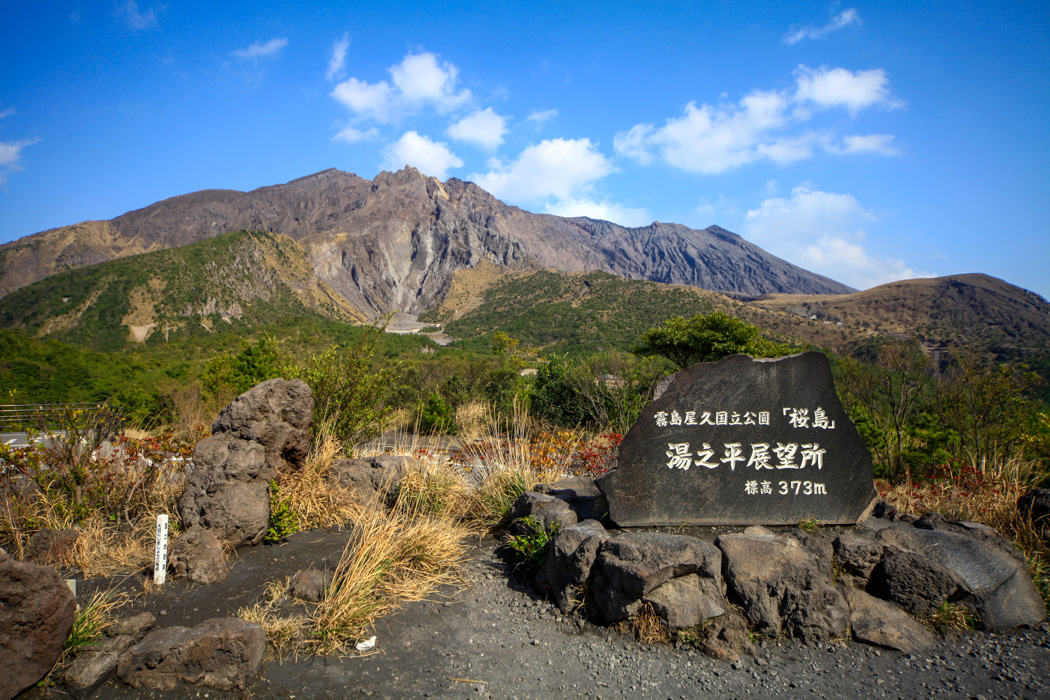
316	501
393	556
104	550
950	619
473	419
91	621
647	627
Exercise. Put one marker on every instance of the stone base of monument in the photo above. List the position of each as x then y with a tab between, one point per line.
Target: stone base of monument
831	583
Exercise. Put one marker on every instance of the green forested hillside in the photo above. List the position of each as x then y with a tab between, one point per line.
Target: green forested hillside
577	314
239	282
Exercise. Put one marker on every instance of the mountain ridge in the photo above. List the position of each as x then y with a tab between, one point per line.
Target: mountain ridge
393	242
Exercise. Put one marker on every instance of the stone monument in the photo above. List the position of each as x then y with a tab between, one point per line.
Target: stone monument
743	442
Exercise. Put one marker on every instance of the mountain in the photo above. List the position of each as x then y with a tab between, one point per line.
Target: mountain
394	242
961	310
586	312
240	280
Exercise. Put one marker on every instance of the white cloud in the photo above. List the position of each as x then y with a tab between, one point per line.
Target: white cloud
11	155
483	127
369	101
5	113
870	143
337	61
824	232
419	80
604	210
135	18
261	50
540	118
763	125
843	19
350	134
839	87
559	168
430	157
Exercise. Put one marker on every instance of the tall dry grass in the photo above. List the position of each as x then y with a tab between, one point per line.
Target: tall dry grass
393	556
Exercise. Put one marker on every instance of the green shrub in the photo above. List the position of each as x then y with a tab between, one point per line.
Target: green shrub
436	416
283	521
530	549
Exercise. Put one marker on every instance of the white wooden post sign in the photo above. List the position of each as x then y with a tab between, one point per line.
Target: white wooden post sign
160	559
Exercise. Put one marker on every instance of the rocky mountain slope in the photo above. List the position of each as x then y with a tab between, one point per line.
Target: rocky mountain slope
395	241
238	280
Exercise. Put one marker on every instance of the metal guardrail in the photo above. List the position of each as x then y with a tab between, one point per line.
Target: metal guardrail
52	416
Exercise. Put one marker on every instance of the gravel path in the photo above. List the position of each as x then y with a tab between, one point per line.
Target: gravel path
494	638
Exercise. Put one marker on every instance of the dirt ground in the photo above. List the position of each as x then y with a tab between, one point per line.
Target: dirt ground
493	637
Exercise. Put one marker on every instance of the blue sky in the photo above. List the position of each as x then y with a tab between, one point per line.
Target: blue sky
865	141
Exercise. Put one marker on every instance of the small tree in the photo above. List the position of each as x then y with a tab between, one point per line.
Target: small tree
706	338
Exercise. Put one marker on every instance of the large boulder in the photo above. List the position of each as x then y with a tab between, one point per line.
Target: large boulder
197	555
52	547
222	653
630	567
856	554
372	479
276	414
228	491
582	495
992	576
881	623
911	580
570	560
36	615
548	512
781	587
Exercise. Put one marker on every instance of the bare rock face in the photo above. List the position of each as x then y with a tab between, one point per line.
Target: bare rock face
229	490
630	568
263	430
197	555
277	414
410	233
881	623
781	587
222	653
570	560
36	614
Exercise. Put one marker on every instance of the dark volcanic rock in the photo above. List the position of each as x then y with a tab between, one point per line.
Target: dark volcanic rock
277	414
546	511
630	566
879	622
221	653
197	555
743	441
991	576
36	614
570	560
52	546
781	587
912	581
228	491
373	478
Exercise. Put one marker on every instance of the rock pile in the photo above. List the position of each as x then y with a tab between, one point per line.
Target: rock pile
812	586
